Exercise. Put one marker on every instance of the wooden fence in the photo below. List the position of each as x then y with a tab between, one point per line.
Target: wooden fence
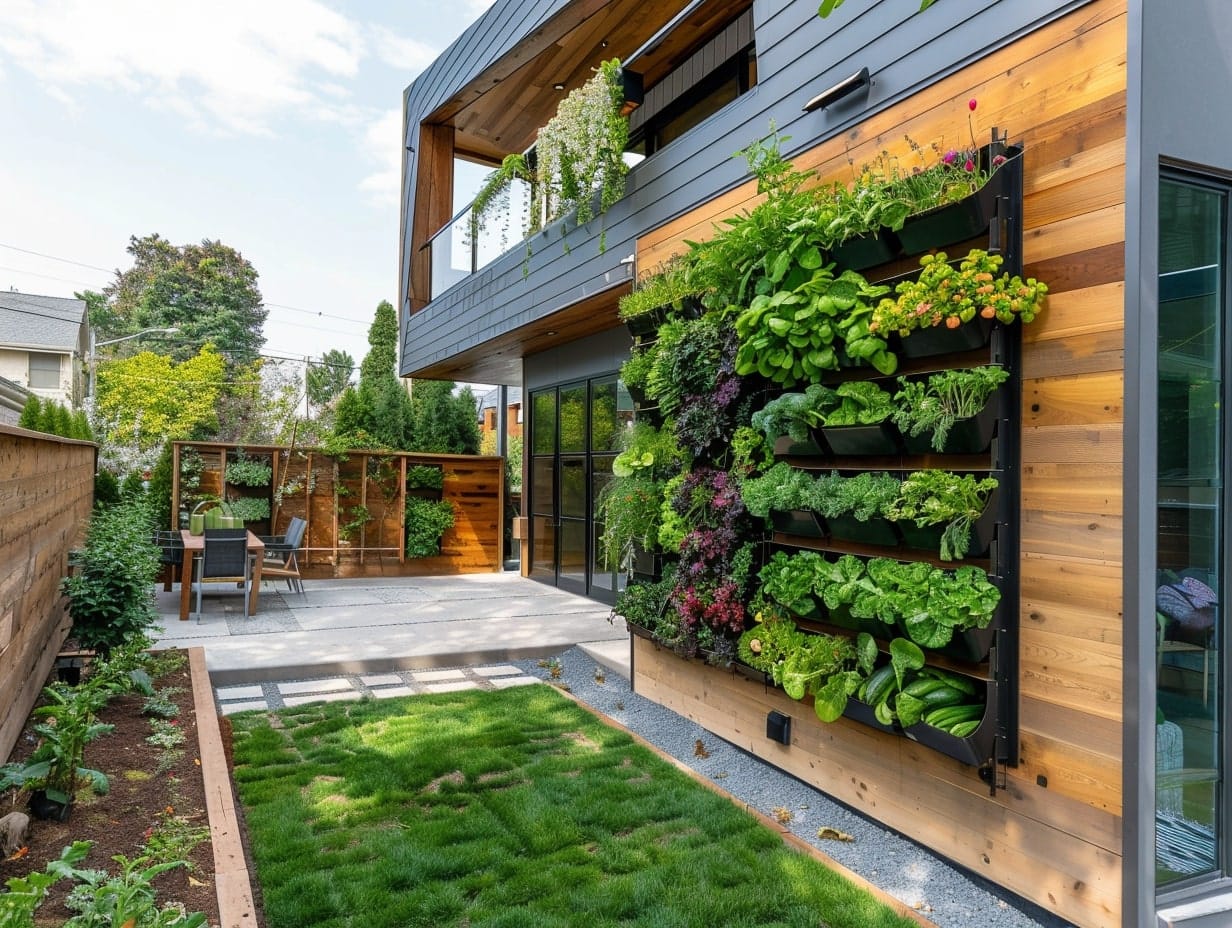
46	494
329	491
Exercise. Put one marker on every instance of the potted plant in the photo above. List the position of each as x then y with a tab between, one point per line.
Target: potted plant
858	423
425	480
783	495
249	472
791	582
791	335
426	523
952	512
643	604
792	416
947	308
854	507
654	298
54	771
950	411
629	508
249	508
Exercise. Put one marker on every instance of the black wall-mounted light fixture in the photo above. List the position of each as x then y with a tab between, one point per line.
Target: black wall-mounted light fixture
840	90
778	727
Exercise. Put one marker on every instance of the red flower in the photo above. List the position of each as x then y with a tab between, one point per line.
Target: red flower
971	104
969	166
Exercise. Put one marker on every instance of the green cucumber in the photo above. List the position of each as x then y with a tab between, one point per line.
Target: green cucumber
943	696
880	684
963	729
952	715
923	686
956	680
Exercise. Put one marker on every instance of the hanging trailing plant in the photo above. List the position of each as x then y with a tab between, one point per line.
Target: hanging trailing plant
578	156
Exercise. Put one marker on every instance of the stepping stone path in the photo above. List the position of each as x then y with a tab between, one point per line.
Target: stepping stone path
284	694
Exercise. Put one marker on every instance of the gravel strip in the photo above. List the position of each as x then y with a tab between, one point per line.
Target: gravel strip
950	897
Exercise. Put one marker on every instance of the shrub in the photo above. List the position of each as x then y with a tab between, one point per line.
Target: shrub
110	594
426	521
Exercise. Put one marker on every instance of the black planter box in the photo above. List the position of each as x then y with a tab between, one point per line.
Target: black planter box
801	522
639	631
971	645
879	439
971	435
842	618
956	222
646	324
938	340
863	713
976	749
864	251
928	537
741	669
786	446
875	531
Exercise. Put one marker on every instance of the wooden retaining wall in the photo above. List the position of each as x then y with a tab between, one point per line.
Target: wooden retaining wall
1054	833
327	487
46	494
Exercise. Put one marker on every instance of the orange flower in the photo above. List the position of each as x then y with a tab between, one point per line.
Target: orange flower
952	322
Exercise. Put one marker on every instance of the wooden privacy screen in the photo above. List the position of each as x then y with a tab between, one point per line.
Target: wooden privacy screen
46	493
1053	832
354	505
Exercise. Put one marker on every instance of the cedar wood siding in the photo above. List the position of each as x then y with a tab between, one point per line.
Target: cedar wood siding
798	56
1054	833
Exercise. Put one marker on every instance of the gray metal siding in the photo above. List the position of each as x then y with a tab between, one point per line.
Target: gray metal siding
1180	69
798	56
586	357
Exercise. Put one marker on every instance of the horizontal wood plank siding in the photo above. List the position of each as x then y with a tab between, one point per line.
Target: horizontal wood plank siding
1054	833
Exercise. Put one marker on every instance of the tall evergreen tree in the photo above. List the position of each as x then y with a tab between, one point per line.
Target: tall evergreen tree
443	420
378	412
32	414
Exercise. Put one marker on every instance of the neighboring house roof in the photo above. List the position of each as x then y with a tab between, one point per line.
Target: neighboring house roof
13	397
487	399
41	323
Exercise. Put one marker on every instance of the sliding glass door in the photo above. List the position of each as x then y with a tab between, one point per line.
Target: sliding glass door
1191	577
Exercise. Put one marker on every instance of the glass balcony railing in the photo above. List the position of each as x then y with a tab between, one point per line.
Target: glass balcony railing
457	250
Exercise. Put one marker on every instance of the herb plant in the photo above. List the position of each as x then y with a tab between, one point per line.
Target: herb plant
248	472
862	496
779	489
934	405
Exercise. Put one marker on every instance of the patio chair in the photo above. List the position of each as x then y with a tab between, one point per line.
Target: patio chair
171	556
281	560
224	559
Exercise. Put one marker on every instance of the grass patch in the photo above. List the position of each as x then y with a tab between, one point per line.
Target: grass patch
502	810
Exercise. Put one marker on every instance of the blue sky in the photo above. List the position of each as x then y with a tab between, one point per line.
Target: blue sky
274	126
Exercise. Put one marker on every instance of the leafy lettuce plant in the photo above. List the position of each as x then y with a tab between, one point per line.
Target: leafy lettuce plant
860	402
790	580
792	414
936	497
863	496
779	489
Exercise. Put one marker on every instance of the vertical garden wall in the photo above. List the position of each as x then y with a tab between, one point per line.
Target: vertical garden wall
369	513
46	493
1027	792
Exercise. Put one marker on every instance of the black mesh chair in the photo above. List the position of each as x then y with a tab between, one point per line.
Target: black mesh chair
171	556
224	559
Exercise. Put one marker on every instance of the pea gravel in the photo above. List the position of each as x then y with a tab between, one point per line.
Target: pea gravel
943	893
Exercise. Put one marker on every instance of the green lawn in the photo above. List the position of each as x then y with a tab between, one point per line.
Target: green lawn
514	809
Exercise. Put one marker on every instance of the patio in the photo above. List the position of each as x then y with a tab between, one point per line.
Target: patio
382	625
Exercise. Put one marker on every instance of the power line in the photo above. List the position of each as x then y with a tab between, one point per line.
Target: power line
39	254
63	280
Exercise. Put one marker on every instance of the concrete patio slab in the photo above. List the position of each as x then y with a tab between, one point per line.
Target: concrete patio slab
381	625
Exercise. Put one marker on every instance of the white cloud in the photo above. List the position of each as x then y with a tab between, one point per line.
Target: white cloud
383	140
408	55
233	65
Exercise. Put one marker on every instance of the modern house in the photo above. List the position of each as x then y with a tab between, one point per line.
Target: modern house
44	341
1107	798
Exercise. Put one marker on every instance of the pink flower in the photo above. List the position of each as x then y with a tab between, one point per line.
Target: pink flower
950	156
998	161
971	104
969	166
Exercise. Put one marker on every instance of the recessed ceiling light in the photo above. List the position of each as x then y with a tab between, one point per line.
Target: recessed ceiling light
551	332
558	86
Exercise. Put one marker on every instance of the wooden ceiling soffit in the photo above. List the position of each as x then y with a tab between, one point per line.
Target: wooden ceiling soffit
499	359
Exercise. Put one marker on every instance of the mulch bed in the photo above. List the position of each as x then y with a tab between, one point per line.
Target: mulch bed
118	822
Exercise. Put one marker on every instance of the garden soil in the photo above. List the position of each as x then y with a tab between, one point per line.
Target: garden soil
145	789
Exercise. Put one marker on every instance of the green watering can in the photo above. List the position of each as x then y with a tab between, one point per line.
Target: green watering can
218	516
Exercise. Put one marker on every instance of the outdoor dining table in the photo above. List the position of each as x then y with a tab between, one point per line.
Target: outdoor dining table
193	546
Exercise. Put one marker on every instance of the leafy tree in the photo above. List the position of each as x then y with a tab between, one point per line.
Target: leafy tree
329	377
443	421
378	413
160	488
147	399
208	291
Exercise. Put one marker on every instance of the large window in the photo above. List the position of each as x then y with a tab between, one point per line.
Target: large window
44	371
1192	520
